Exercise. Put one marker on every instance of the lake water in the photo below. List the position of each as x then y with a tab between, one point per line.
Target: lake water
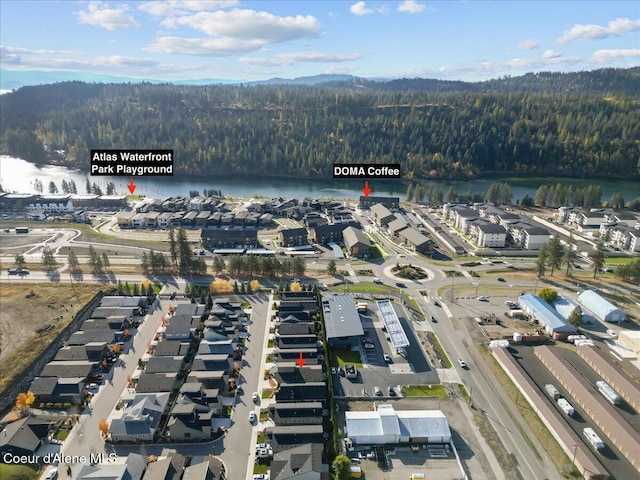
17	175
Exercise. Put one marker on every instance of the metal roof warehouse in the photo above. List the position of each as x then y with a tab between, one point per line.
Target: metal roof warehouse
543	312
388	426
341	317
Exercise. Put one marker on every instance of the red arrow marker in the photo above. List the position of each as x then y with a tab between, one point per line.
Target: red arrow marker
300	361
366	190
131	186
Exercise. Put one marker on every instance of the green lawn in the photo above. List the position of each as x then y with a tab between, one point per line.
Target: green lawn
364	287
62	434
424	391
267	393
18	472
260	468
340	358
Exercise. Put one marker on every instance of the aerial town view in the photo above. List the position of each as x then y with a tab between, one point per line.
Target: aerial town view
319	240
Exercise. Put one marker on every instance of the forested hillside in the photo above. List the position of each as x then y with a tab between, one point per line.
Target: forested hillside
302	130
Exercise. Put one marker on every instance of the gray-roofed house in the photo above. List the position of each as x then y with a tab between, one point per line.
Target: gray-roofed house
164	364
392	203
342	320
396	226
221	362
92	352
302	392
295	374
282	437
156	382
68	369
57	390
91	336
171	348
189	420
416	240
132	469
170	467
491	235
381	215
302	462
24	436
139	418
301	413
210	469
357	243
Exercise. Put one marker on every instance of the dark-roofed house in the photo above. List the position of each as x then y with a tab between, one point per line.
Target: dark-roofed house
92	336
210	469
342	320
534	237
300	462
357	243
229	237
92	352
24	436
302	392
295	374
282	437
303	413
392	203
327	233
210	379
297	328
170	467
293	237
416	240
139	418
68	369
220	362
164	364
189	420
171	348
57	390
156	382
296	341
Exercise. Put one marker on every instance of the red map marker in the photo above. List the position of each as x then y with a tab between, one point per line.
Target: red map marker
300	361
366	190
131	186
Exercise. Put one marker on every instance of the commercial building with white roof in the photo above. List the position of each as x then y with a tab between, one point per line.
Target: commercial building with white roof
387	426
601	308
552	321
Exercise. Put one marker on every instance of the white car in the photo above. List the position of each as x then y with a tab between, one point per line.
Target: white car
252	417
377	391
255	396
260	476
387	358
611	333
334	371
53	473
462	363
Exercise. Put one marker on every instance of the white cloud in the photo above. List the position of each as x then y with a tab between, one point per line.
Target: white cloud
604	56
550	54
35	51
215	47
527	44
286	59
617	27
360	9
101	15
252	25
161	8
410	6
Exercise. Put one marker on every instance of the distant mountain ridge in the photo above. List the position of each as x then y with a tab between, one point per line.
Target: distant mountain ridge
621	81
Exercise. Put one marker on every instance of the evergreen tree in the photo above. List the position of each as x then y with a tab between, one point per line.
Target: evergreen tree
105	260
88	186
419	193
331	267
541	262
144	264
19	261
52	187
569	255
541	195
575	318
173	247
120	288
554	253
72	260
136	291
598	258
72	187
48	259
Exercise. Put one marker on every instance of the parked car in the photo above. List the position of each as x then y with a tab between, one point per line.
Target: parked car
255	397
260	476
334	371
483	299
377	391
387	358
390	391
252	417
611	333
53	473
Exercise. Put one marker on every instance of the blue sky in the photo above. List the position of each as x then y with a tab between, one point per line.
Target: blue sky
256	40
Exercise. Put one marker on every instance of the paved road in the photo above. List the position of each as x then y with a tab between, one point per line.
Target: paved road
85	438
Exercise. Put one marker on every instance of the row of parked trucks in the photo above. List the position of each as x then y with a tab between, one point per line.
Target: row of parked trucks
589	434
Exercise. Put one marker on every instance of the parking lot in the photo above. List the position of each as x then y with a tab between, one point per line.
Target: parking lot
409	368
613	461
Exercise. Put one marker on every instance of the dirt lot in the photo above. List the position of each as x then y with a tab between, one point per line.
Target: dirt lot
28	307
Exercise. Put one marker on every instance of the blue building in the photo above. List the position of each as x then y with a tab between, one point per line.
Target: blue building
546	315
